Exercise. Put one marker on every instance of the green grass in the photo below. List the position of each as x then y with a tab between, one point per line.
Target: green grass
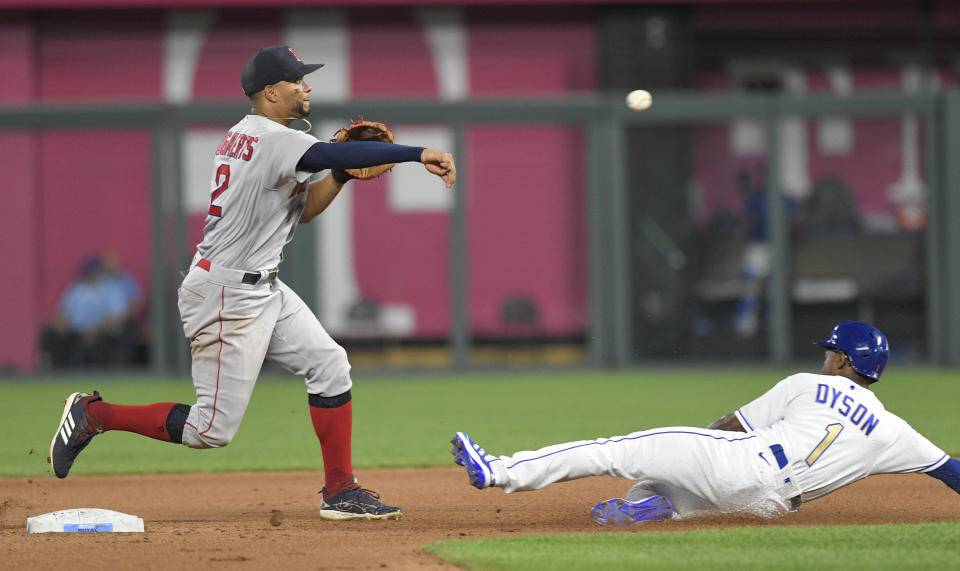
408	421
920	546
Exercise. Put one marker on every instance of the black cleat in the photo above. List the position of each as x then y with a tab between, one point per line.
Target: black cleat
77	428
357	503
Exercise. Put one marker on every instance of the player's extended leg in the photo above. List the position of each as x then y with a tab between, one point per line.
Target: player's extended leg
644	505
721	468
638	456
84	416
229	329
617	511
223	325
302	346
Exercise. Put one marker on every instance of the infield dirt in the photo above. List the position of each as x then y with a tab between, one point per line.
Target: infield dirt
271	521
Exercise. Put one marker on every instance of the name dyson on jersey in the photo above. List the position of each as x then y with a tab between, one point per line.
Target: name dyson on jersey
830	396
237	146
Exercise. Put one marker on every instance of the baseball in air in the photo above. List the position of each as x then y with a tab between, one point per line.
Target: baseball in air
639	99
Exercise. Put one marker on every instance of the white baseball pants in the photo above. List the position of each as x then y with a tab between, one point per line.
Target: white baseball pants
700	470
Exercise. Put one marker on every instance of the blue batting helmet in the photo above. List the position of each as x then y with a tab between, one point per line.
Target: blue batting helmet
864	344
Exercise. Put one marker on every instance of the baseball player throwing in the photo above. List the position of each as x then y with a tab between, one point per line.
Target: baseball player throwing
236	312
806	437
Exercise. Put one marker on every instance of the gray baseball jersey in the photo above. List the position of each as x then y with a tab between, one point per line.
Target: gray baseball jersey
256	194
235	312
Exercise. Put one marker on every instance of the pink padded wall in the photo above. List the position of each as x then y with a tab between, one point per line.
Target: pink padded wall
93	56
527	211
93	200
399	258
232	39
19	326
94	185
70	193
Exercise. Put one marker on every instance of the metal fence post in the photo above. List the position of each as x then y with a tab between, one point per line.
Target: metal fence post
621	285
601	336
460	339
162	136
778	292
934	157
950	237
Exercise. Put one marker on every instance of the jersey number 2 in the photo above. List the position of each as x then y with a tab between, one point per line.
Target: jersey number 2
222	179
833	431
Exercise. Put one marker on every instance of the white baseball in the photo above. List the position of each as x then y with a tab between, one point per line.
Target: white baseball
639	99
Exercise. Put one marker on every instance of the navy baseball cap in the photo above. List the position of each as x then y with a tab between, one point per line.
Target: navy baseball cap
90	265
271	65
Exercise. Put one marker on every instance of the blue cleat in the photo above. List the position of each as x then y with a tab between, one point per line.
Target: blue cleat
622	512
468	454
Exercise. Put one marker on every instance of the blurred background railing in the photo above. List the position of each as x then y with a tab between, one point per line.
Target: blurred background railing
580	233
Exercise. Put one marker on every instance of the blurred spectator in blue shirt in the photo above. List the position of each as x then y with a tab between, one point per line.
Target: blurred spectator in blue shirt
122	288
96	317
757	256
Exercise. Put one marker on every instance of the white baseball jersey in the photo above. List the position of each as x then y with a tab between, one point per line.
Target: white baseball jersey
836	432
257	195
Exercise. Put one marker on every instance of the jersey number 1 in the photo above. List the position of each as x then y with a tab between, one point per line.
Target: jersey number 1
833	431
222	179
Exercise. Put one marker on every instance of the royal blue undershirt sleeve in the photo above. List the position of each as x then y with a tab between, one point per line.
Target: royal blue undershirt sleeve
354	155
949	473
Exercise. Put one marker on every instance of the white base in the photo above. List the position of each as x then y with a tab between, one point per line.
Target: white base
85	519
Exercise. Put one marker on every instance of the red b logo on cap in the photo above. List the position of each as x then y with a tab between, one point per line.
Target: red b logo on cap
295	55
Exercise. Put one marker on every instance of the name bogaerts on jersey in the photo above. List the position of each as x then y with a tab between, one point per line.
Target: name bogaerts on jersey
830	396
237	146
